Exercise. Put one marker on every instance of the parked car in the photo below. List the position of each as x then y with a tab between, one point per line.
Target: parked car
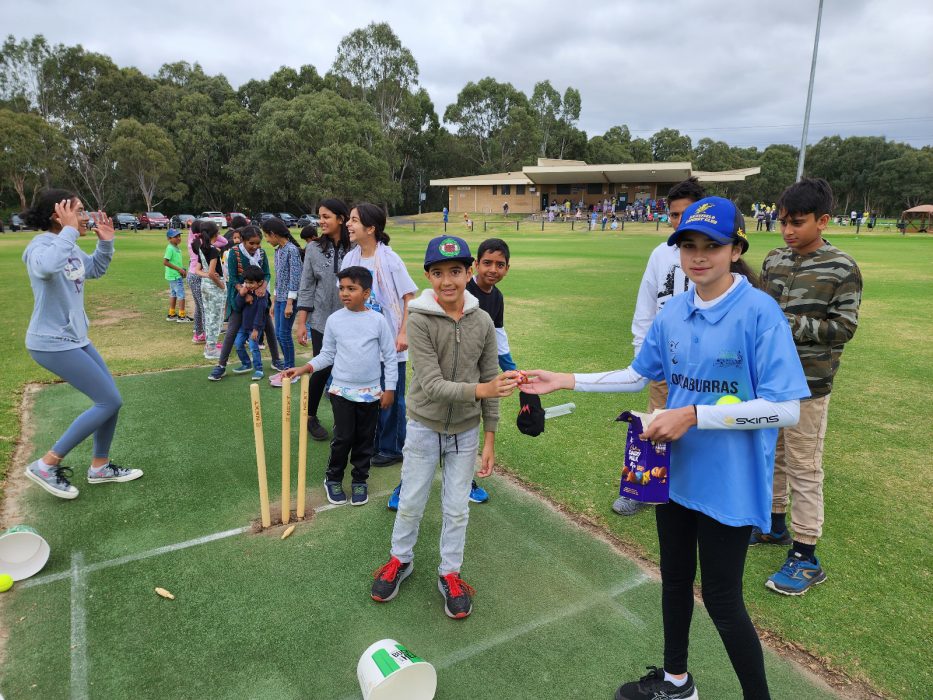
308	220
289	219
262	216
91	221
181	221
216	216
231	214
125	220
153	219
16	223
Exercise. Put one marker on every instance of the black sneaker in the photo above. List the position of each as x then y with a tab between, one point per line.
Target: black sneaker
381	460
653	687
335	492
217	373
458	595
318	431
388	578
359	494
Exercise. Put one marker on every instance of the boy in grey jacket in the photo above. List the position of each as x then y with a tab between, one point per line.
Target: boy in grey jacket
452	345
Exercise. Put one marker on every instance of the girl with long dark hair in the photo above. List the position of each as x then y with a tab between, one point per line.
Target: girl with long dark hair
287	277
317	294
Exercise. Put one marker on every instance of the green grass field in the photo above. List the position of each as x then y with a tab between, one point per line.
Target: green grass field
261	616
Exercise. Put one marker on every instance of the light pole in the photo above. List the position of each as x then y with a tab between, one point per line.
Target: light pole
806	116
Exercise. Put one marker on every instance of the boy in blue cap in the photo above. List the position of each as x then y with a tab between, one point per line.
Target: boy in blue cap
175	275
452	345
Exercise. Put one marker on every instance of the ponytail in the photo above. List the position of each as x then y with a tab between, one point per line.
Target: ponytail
375	217
743	268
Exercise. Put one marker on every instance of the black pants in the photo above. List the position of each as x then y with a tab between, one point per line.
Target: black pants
354	437
318	379
722	549
233	326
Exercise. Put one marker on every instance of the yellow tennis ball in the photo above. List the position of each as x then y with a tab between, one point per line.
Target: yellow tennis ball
727	399
6	582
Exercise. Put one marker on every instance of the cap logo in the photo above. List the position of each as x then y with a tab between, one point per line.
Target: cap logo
449	248
700	215
741	234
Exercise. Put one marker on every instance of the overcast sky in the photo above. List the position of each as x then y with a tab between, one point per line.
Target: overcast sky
728	69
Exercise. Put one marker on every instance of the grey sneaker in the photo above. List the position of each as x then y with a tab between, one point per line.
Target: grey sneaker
627	506
112	472
52	479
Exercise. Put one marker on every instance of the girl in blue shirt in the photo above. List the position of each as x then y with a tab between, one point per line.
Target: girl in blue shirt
724	337
285	294
57	335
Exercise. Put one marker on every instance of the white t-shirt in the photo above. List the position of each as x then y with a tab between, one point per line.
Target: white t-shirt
663	279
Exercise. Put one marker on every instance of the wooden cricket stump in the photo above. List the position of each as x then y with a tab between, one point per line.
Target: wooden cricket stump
283	514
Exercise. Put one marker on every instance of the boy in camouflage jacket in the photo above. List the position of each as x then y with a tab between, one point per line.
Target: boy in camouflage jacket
819	288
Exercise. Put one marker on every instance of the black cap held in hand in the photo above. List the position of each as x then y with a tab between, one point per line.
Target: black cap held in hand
531	416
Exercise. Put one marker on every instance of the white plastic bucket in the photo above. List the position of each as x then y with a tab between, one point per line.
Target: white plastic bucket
23	552
388	671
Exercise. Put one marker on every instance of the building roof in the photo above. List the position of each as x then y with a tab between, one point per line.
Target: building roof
561	172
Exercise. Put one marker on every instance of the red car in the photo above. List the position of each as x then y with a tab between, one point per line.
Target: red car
231	214
153	219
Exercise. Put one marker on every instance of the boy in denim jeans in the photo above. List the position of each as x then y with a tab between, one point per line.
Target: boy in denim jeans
254	310
452	345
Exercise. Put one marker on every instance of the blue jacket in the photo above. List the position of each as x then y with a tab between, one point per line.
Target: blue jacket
57	269
254	315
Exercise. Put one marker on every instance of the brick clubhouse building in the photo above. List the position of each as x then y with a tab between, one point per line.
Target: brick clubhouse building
536	186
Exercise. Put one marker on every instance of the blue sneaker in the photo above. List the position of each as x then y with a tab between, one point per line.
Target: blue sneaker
759	537
217	373
359	494
257	375
335	492
52	479
478	494
796	576
242	369
278	366
394	498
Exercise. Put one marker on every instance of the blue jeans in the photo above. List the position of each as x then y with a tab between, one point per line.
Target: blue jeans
86	371
242	338
283	333
390	430
423	452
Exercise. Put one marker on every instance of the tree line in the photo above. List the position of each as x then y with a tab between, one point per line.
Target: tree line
187	141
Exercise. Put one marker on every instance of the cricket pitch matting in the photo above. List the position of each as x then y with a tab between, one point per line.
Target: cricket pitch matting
558	613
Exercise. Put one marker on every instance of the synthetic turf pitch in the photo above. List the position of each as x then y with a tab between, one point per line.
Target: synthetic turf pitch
558	613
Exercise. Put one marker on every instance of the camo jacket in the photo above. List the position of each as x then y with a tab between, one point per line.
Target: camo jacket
819	294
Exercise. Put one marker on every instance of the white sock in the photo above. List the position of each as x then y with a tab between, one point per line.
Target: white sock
679	682
97	469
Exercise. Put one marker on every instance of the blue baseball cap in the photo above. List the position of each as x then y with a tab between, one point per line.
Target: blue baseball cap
715	217
445	249
171	233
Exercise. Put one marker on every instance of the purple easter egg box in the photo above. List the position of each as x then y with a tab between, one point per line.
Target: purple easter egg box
647	466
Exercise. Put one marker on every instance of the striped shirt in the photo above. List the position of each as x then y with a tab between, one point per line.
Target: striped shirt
819	293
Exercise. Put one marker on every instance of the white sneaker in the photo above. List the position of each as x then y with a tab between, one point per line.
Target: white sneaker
111	472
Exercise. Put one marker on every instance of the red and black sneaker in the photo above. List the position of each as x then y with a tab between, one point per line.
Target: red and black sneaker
458	595
388	578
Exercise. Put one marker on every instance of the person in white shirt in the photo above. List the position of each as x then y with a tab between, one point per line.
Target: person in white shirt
663	279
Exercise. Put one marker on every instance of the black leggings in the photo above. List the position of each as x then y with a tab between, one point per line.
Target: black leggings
318	379
722	550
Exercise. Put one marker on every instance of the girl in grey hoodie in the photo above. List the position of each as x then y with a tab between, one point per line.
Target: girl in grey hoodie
57	335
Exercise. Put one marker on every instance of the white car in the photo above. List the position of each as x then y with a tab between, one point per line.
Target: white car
215	216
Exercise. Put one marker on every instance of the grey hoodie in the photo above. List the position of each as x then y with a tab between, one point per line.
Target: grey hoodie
57	270
449	358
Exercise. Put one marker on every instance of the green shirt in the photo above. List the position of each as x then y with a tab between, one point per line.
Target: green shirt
173	255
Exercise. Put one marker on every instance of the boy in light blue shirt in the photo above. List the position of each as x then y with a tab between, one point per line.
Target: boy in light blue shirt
357	342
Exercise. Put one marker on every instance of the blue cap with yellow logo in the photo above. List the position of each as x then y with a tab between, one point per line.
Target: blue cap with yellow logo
715	217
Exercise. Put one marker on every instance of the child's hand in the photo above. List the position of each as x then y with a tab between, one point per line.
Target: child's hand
541	381
670	425
254	335
241	289
488	459
297	371
387	399
501	386
183	272
401	341
288	309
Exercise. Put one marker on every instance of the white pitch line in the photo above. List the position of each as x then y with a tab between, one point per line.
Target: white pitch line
78	629
167	549
544	620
